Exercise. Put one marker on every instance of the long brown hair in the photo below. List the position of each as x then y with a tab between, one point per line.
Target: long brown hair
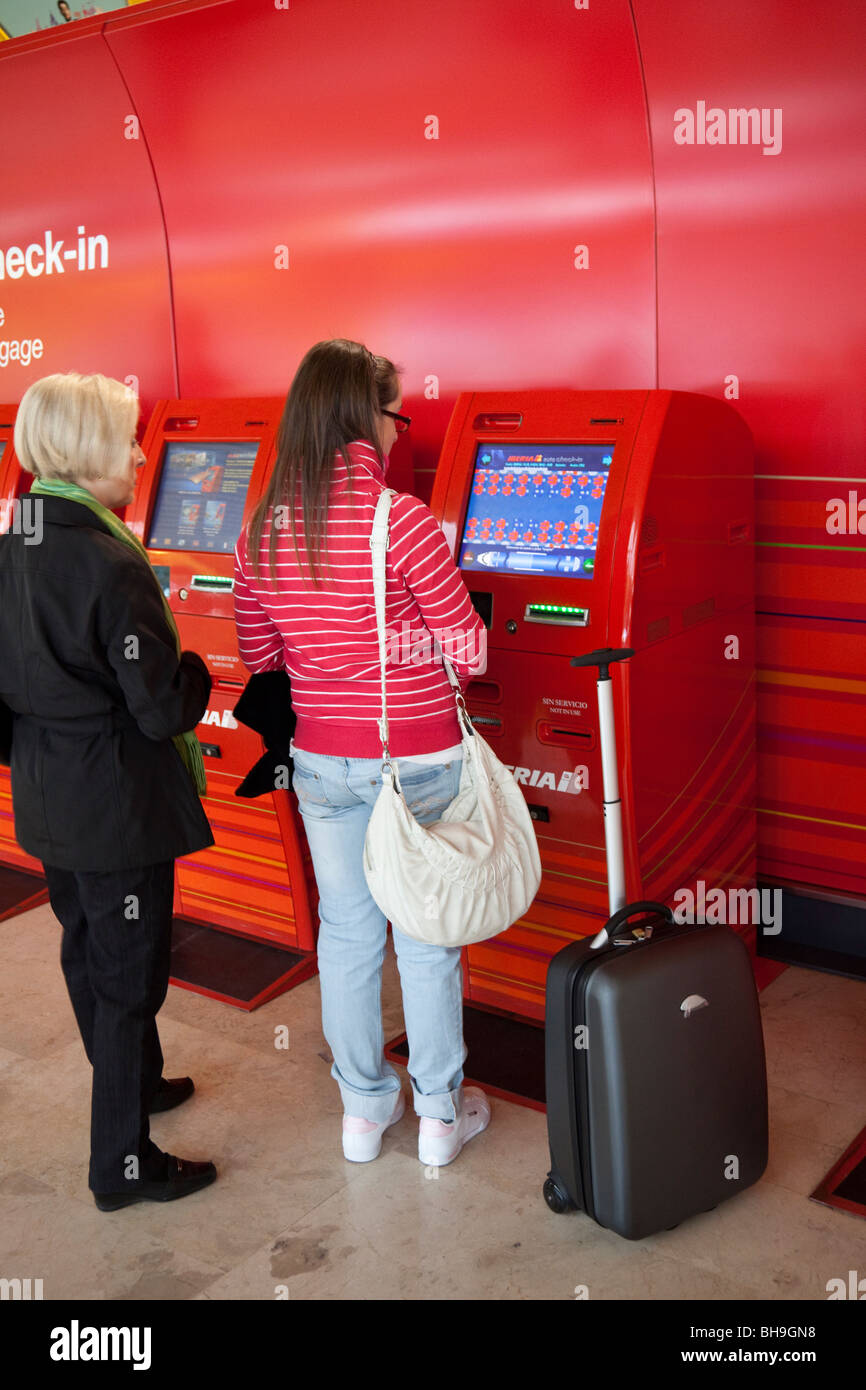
338	391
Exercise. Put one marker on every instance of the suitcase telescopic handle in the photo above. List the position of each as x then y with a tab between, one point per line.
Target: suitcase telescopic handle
603	658
619	920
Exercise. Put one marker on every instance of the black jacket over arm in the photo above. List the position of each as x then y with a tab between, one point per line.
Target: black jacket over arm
89	669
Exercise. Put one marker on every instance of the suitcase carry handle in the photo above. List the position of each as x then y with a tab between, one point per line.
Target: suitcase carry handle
619	920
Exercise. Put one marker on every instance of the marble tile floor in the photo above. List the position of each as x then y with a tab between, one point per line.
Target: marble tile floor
289	1217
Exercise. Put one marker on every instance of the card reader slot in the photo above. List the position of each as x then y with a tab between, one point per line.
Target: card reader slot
488	724
565	735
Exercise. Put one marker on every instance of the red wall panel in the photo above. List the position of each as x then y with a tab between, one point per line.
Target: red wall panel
68	164
306	128
759	276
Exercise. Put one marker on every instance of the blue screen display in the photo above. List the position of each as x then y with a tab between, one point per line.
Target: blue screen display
535	508
202	492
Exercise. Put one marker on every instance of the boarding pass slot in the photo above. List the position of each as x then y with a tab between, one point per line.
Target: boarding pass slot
213	583
497	422
556	614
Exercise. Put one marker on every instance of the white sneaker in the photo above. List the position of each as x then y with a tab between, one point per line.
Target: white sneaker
362	1139
439	1143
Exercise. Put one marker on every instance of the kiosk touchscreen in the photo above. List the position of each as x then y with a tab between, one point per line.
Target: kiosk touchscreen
208	463
550	500
202	496
583	520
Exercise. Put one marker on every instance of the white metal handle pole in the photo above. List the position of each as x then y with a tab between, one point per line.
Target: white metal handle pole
612	803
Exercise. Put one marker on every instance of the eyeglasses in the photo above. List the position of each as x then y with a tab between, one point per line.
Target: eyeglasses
402	422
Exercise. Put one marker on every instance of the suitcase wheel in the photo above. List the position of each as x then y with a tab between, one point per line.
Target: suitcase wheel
555	1198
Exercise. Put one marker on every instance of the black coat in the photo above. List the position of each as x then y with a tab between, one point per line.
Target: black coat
89	668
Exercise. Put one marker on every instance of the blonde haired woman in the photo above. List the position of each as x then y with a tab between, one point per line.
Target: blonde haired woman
105	773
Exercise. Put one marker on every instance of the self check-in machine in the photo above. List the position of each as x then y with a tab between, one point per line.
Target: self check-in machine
207	465
13	861
13	478
582	520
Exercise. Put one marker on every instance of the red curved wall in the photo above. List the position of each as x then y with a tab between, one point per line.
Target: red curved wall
67	164
199	138
760	278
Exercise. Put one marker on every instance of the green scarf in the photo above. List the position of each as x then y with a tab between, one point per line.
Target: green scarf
187	744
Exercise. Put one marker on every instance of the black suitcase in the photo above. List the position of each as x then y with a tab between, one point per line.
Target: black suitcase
655	1070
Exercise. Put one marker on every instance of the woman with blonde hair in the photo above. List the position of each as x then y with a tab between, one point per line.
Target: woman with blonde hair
106	771
304	602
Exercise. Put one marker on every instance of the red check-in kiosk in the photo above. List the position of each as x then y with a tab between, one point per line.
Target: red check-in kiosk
581	520
207	465
17	887
14	479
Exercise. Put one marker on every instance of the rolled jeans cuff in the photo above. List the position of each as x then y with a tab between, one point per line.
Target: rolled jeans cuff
446	1105
377	1106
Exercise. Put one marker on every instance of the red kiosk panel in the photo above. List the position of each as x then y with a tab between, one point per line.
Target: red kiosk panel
13	478
208	462
584	519
13	481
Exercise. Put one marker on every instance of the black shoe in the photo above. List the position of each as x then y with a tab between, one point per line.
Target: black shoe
184	1177
171	1093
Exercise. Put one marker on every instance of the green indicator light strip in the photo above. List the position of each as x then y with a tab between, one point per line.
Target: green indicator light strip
554	608
213	581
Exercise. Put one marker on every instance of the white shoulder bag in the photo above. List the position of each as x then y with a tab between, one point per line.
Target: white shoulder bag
475	871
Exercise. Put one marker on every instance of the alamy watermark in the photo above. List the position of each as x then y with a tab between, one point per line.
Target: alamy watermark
23	517
741	125
416	646
854	1287
760	907
20	1289
77	1343
846	516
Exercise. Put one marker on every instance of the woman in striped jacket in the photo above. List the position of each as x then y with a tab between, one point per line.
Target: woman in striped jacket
304	601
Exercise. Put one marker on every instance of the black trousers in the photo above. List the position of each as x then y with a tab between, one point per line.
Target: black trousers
115	955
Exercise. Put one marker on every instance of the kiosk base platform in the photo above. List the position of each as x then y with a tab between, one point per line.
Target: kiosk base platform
233	968
844	1186
506	1055
20	891
820	931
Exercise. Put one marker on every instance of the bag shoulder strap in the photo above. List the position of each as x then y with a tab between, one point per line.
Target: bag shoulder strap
379	541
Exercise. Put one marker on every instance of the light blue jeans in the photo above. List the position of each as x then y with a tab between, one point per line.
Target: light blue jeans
336	797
